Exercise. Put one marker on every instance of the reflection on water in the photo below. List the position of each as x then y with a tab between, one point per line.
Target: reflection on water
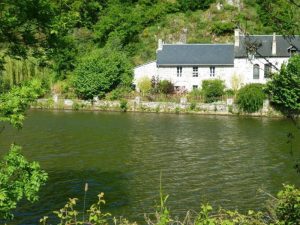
220	159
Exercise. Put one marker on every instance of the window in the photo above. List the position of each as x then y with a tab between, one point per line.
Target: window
179	71
267	70
195	71
256	71
195	87
212	71
292	50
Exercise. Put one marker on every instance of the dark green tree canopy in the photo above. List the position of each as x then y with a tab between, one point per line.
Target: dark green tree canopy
102	72
284	88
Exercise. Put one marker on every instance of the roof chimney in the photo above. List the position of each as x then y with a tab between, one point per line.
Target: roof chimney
237	37
160	45
274	44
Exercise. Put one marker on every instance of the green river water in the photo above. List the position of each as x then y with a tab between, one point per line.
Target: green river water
218	159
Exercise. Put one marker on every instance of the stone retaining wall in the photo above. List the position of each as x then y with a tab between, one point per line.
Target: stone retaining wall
136	105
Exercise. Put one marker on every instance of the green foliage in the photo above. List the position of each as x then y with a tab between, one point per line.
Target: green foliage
118	93
14	103
195	95
102	72
166	87
250	98
69	215
213	89
193	106
282	15
19	179
144	84
230	92
288	205
223	28
286	208
192	5
123	105
284	88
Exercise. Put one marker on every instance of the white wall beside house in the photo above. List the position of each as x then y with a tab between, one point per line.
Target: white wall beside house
243	68
145	70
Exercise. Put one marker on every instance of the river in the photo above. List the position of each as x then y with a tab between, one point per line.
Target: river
222	160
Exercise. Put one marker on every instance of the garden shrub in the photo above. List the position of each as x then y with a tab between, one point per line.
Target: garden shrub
166	87
195	94
144	84
230	92
123	105
212	89
118	93
250	98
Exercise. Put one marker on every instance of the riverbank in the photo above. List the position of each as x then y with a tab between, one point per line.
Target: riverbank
137	105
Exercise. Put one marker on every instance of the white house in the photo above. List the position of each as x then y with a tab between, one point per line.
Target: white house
187	65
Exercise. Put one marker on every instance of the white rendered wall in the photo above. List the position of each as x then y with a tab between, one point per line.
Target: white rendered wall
147	70
244	69
188	81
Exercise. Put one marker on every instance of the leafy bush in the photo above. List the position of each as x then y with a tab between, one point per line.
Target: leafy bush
144	84
118	93
195	94
166	87
284	88
192	5
230	92
123	105
19	179
288	205
102	72
213	89
250	98
223	28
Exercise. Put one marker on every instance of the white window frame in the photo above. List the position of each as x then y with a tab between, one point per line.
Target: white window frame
212	71
267	70
256	73
195	71
179	71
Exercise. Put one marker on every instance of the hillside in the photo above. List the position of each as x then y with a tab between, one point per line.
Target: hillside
213	25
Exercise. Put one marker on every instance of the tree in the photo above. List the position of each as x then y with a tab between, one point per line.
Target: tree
282	15
284	88
102	72
19	179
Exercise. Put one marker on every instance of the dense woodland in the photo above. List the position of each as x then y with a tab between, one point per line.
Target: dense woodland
65	43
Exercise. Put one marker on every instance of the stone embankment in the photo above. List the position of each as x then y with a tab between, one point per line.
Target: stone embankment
137	105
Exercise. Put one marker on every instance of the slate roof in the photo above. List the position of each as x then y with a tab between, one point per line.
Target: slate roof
265	50
196	54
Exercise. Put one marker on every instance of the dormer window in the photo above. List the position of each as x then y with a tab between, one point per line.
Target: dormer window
292	50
